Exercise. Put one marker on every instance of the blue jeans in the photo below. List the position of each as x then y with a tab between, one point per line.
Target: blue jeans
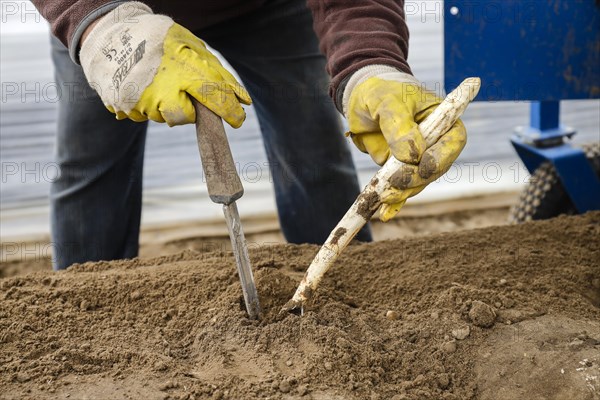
96	203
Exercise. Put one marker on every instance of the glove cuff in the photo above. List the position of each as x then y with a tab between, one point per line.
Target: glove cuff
377	70
74	42
125	37
95	41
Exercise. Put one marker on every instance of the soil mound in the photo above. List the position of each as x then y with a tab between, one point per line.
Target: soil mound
425	318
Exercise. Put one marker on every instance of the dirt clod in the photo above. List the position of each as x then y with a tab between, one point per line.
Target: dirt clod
136	295
481	314
302	390
392	315
576	344
461	333
449	347
22	377
443	381
168	385
285	387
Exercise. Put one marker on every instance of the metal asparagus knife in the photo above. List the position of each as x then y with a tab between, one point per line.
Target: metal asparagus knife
225	187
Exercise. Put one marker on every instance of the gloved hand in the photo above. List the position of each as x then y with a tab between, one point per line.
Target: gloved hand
145	66
384	107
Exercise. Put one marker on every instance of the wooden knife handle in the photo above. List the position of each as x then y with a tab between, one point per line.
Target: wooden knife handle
223	182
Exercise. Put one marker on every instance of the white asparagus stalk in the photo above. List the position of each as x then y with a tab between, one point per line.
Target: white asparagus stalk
367	203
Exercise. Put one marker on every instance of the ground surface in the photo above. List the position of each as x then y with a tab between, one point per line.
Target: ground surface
18	256
494	313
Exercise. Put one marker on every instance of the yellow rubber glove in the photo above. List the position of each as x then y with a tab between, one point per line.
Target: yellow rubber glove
384	107
145	66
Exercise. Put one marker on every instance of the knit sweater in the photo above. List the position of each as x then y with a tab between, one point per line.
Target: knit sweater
352	33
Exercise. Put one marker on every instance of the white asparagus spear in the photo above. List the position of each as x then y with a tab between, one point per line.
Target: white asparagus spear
367	203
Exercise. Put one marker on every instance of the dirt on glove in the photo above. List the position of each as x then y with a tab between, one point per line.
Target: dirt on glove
495	313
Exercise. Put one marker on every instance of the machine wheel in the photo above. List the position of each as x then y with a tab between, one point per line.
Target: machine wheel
544	197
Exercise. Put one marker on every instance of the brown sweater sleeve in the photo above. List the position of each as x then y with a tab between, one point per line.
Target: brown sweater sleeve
357	33
69	18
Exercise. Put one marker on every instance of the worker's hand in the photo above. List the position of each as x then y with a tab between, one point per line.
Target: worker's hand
384	107
145	66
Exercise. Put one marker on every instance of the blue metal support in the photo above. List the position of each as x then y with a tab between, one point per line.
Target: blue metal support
545	115
545	129
542	51
544	141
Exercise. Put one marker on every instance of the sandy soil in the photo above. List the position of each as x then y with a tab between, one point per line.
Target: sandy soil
21	256
493	313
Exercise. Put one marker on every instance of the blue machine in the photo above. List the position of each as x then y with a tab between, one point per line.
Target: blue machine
542	51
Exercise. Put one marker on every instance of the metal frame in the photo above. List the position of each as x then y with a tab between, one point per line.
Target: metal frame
543	51
544	141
